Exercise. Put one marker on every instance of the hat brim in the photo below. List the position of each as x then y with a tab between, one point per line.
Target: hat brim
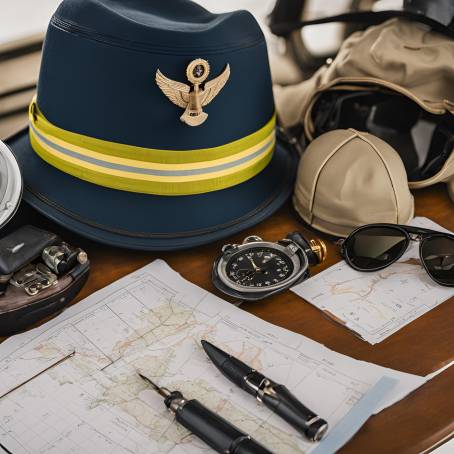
151	222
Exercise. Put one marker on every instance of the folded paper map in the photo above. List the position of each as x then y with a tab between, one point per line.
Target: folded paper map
375	305
71	385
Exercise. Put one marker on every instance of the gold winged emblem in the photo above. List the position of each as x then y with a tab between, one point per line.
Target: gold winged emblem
194	98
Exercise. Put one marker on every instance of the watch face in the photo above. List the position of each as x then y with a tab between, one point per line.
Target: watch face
258	267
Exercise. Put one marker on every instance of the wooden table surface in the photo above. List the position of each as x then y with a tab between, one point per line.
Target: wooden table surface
413	425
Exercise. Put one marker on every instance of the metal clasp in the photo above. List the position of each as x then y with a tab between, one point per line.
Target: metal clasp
34	278
341	243
293	248
261	386
319	249
290	139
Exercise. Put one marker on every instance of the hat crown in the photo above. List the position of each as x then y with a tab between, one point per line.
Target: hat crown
161	24
100	61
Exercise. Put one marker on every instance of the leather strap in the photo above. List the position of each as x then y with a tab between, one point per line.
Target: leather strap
299	239
366	17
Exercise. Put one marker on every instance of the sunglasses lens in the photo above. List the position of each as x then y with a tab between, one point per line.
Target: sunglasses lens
375	247
438	256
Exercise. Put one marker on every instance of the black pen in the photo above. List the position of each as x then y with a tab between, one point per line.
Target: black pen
275	396
215	431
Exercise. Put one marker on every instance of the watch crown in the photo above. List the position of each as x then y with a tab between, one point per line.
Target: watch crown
251	239
319	249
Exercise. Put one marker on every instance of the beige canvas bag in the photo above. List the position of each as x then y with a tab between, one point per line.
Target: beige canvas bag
406	57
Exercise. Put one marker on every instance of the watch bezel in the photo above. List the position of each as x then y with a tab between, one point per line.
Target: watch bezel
300	265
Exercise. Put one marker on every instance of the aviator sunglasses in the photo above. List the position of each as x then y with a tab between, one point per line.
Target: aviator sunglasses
375	246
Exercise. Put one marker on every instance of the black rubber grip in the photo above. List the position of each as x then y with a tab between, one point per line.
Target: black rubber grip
289	408
215	431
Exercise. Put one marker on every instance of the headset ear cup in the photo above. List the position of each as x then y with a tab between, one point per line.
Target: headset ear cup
301	241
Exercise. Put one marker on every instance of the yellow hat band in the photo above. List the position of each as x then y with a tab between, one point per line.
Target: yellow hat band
147	170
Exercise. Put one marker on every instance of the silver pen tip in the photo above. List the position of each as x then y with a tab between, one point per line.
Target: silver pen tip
164	392
144	377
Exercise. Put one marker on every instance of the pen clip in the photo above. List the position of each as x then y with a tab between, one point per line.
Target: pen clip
260	384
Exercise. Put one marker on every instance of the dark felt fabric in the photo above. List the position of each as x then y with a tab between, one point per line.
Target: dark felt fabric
97	78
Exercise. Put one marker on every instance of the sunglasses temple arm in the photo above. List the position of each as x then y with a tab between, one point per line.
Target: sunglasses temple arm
419	230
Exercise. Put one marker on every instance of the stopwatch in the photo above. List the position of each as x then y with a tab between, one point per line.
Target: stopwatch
256	268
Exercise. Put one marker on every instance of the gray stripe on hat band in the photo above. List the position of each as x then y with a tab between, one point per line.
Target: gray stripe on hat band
139	170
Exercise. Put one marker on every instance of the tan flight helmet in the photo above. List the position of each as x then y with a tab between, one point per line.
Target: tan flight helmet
347	179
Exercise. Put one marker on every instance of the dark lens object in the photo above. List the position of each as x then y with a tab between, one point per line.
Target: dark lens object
375	247
438	255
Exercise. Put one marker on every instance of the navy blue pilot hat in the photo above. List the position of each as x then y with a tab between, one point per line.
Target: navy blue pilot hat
154	125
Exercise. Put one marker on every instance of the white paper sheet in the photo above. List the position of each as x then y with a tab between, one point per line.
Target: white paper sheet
376	305
153	320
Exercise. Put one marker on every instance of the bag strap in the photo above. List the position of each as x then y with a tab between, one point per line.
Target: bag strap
365	17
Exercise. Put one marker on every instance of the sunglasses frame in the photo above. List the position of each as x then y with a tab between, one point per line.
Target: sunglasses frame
410	233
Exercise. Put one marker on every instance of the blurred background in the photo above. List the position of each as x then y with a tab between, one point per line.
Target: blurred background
23	24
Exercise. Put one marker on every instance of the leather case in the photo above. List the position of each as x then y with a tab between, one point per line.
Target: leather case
21	248
18	309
